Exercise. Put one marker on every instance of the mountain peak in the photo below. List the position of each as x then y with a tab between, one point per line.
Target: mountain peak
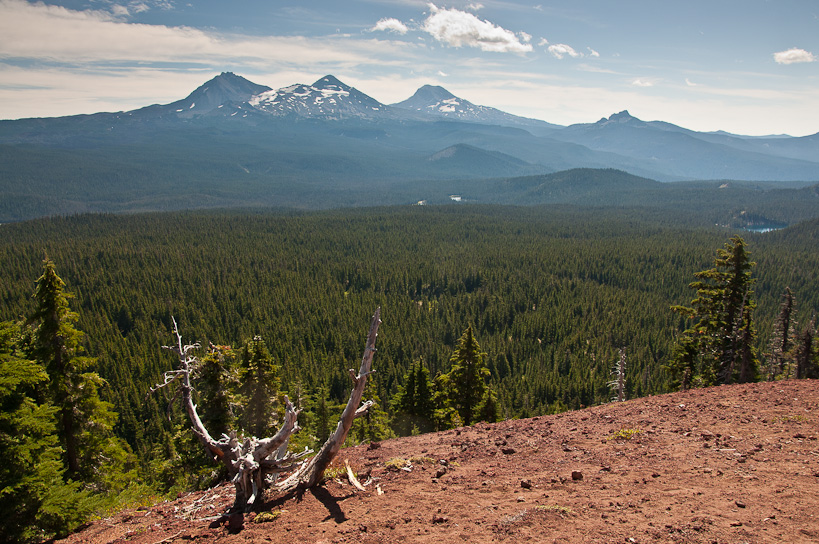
329	82
622	117
225	88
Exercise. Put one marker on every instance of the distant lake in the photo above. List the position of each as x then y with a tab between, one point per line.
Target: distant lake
766	228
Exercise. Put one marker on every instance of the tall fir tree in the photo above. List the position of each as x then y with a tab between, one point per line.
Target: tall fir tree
780	352
35	502
84	420
412	405
719	347
806	358
218	379
259	389
465	385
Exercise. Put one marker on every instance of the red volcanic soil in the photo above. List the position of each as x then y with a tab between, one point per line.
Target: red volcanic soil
728	464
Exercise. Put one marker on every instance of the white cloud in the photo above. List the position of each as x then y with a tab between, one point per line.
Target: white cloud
120	11
42	33
793	56
392	25
691	83
474	7
543	42
442	74
642	83
525	37
593	53
457	28
560	50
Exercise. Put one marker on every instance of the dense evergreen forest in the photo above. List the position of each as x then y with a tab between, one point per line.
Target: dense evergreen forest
551	295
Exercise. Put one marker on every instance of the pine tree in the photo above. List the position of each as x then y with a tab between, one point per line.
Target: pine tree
719	347
84	420
260	389
218	379
780	356
806	359
465	384
412	405
35	502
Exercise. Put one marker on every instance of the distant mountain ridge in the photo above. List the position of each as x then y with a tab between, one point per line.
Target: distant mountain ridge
232	141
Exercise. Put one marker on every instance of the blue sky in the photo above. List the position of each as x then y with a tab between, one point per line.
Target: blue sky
744	66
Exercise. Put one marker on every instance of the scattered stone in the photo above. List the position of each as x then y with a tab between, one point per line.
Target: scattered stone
439	519
577	475
739	504
440	472
526	484
508	451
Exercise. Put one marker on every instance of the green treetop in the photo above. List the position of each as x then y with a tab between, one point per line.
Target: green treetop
719	347
84	421
465	385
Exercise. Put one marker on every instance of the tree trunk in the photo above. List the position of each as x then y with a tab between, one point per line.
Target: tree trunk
311	473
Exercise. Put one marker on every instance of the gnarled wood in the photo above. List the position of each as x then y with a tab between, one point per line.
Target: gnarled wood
312	472
249	462
253	463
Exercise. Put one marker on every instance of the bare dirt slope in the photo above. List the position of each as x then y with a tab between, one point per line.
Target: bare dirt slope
722	465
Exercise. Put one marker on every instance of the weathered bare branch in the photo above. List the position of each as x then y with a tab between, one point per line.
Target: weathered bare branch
312	472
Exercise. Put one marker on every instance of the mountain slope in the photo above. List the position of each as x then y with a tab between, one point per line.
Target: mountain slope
438	102
686	154
232	142
328	98
725	464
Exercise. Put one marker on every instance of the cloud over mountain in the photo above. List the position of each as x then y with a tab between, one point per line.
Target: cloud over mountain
458	28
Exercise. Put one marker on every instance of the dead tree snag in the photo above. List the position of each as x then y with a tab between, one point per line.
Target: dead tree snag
253	463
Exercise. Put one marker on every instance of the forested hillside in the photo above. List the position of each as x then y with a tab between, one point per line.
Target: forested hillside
552	295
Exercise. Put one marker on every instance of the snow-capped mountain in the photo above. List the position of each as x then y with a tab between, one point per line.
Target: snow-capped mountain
436	101
328	98
227	92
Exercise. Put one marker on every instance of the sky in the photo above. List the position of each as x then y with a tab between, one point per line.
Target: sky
744	66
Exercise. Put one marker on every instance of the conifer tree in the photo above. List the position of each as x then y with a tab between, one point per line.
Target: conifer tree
719	347
218	379
260	389
84	420
413	405
780	355
34	500
465	384
806	357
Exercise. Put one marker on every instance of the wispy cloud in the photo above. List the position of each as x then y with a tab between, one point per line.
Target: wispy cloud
458	28
561	50
642	83
392	25
49	34
794	56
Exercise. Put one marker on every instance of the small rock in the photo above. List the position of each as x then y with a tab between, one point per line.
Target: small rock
374	445
526	484
740	504
439	519
521	499
577	475
508	451
440	472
